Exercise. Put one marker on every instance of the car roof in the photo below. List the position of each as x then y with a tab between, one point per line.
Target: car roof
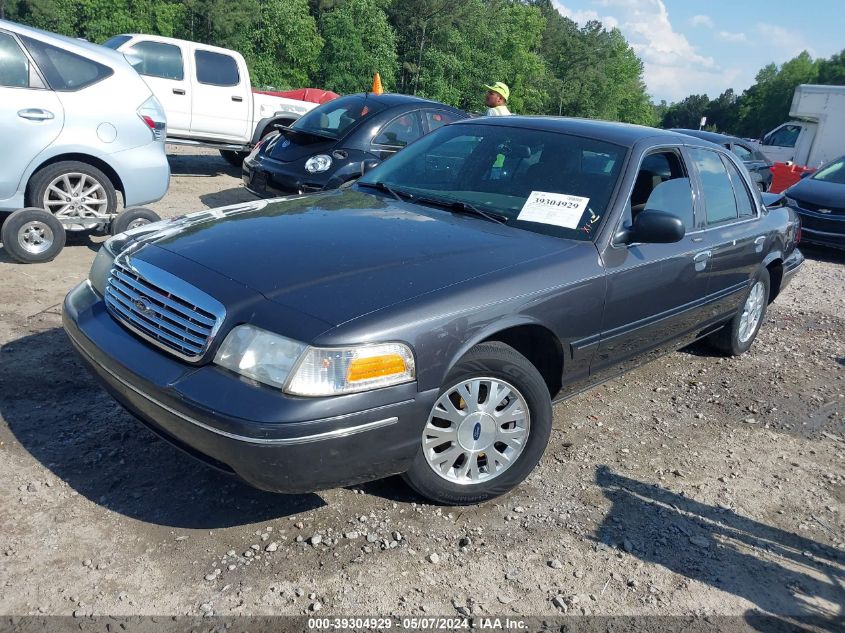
80	47
626	134
713	137
390	99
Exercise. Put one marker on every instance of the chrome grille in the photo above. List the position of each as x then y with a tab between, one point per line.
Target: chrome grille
180	320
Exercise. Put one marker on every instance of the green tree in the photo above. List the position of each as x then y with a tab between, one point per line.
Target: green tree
359	42
686	113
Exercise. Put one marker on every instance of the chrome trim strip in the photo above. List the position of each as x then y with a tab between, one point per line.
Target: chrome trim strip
282	441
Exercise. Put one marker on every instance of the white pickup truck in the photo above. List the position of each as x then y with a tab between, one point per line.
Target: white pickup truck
206	93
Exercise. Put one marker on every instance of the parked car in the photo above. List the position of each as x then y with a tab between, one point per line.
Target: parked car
423	320
330	145
757	164
819	200
207	93
69	144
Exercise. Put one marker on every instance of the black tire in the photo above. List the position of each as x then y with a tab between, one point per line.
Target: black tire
32	236
235	159
728	339
492	360
132	218
42	179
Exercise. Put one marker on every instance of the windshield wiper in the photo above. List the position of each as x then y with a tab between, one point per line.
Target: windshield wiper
459	206
401	196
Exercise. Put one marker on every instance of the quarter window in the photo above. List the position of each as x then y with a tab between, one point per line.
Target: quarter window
719	200
216	69
155	59
63	70
14	65
437	118
400	131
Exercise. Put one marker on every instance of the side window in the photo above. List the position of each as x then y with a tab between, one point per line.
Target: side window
719	200
743	153
14	65
662	184
744	202
786	136
400	131
63	70
216	69
437	118
155	59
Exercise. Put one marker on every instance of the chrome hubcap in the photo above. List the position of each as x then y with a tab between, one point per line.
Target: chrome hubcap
751	312
136	223
35	237
76	195
476	430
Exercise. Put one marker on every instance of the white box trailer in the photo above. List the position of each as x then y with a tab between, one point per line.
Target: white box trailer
816	134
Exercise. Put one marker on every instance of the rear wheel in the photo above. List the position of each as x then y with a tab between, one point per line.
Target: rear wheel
738	335
487	429
73	190
132	219
32	236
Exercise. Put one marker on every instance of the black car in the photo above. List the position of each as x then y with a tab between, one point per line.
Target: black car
755	162
424	320
819	199
337	141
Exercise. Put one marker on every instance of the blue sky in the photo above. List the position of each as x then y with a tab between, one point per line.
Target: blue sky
695	47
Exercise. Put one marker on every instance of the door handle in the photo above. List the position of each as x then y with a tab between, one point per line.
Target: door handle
36	114
701	260
235	98
758	244
178	91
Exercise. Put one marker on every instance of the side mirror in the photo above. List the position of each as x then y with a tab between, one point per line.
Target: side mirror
368	165
653	227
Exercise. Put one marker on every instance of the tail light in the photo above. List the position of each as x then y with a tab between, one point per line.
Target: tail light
798	232
152	114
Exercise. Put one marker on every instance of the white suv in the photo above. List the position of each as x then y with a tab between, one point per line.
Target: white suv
77	125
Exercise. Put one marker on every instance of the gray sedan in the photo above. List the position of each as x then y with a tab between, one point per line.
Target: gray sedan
424	321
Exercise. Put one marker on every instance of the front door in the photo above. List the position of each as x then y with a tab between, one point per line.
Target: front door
655	292
31	116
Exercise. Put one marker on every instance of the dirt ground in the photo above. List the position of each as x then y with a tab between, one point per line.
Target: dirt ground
696	485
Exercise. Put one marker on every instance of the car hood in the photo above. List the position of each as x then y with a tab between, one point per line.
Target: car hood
819	193
342	254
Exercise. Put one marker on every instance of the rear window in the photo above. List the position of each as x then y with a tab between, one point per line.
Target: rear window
63	70
216	69
338	116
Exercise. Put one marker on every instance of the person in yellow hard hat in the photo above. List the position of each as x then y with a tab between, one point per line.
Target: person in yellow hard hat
497	99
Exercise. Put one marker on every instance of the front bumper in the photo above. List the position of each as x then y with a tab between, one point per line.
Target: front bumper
822	229
273	441
272	181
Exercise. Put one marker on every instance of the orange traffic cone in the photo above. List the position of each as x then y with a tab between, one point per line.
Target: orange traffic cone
377	87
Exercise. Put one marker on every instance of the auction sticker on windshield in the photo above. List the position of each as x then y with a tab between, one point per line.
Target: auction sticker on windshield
559	209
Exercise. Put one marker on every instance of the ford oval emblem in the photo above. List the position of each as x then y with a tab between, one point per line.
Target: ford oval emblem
285	143
825	211
142	305
476	431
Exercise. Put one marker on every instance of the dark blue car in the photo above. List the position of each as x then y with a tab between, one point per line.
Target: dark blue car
336	142
424	320
819	200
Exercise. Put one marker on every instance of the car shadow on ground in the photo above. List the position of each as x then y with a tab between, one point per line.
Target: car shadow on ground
201	166
822	254
797	580
235	195
63	418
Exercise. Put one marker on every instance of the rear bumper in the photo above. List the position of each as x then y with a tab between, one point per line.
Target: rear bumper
791	266
289	449
144	172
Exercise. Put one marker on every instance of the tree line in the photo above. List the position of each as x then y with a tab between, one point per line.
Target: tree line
761	107
439	49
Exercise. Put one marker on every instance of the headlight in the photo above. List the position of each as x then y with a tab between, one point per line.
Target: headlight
100	269
258	354
333	371
313	371
318	163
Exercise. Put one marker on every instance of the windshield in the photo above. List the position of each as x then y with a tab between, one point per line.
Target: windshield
541	181
338	116
834	172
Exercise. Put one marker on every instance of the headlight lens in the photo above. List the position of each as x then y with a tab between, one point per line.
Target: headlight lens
333	371
258	354
100	269
318	163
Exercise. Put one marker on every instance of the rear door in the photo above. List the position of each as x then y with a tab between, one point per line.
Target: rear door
31	115
221	101
162	65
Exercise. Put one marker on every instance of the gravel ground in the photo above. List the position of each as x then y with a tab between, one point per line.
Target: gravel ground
695	485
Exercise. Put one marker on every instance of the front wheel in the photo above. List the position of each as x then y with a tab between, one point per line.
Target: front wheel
132	219
738	335
487	429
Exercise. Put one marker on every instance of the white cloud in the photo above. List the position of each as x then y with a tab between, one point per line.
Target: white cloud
732	37
702	20
673	67
583	16
785	41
